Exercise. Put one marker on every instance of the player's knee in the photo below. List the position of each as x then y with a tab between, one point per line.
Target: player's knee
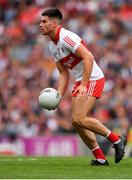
76	120
76	123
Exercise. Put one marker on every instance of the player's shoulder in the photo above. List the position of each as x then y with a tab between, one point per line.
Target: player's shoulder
67	33
68	37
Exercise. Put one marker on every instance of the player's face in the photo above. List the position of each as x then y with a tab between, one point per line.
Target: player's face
46	25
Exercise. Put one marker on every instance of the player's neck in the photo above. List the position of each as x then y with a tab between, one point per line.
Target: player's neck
53	34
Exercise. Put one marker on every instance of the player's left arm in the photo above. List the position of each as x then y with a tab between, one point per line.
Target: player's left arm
87	57
83	53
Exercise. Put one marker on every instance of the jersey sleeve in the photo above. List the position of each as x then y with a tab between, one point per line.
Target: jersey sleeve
71	41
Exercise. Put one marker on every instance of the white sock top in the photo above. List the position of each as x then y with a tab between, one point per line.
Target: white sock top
95	148
108	134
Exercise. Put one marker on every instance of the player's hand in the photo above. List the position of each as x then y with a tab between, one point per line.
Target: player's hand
82	90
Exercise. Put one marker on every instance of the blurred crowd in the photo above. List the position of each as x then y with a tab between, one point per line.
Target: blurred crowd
26	66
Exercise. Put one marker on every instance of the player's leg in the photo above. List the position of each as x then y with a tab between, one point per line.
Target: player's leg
81	120
89	137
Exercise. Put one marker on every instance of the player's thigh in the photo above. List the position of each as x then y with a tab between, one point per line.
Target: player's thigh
82	106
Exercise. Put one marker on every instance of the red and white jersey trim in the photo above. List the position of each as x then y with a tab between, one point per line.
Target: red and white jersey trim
69	41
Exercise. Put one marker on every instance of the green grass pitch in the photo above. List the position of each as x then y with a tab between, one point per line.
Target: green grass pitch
62	168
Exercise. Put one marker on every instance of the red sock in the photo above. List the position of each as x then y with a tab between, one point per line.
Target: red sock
113	137
97	152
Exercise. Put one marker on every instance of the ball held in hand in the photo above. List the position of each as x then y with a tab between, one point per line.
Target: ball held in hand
49	98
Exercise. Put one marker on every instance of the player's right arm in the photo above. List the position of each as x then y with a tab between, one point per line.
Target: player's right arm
63	78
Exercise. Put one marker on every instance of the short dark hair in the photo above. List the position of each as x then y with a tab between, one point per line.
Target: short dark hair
53	13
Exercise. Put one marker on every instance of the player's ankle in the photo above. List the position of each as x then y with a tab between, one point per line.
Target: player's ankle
98	153
113	138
